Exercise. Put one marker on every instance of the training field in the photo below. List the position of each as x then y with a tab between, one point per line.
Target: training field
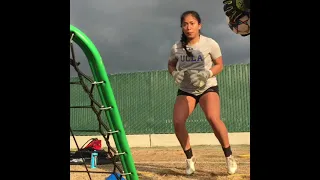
168	163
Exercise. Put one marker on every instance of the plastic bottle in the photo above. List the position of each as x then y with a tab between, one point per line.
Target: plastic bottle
94	159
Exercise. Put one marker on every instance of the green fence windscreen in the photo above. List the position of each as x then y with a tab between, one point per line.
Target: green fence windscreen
145	101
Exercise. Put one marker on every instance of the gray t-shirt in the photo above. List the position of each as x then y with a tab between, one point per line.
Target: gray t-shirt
203	52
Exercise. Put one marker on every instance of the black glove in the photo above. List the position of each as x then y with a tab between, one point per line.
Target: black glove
234	8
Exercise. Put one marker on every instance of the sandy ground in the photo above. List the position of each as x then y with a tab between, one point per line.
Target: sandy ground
168	163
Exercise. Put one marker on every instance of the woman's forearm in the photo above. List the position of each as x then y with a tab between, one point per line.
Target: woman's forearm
216	69
171	67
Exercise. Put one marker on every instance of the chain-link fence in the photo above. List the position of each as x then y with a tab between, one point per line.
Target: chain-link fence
145	101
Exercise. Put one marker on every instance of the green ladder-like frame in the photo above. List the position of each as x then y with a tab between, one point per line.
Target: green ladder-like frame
108	100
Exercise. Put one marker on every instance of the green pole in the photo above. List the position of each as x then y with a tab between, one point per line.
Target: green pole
108	100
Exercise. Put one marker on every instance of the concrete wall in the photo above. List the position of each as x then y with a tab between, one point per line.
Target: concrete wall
153	140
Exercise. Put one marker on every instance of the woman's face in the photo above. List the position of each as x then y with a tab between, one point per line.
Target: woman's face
191	26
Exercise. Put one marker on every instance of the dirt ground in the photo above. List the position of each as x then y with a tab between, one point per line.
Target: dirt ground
168	163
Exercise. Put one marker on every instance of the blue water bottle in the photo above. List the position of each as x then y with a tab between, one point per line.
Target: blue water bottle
94	157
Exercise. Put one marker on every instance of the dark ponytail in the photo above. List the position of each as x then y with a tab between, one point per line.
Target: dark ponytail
184	42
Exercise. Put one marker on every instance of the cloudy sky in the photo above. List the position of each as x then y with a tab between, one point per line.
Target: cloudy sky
136	35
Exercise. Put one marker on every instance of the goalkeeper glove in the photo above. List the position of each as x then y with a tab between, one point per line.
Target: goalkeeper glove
178	76
199	79
234	9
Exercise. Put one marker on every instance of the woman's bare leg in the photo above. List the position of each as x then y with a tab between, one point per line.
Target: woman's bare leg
183	107
210	104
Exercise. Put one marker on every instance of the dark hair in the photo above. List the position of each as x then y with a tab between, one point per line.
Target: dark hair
184	39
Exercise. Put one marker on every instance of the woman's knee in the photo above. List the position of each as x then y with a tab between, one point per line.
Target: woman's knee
213	120
183	108
179	122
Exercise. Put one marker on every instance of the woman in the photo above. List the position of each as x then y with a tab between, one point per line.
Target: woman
194	62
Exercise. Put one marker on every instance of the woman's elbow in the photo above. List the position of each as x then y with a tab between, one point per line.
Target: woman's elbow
219	67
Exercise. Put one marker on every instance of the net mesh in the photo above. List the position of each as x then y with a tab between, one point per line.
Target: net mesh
88	86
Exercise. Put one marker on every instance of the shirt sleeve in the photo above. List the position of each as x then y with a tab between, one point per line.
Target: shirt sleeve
215	49
172	56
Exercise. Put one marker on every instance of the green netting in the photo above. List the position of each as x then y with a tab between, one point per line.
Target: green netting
145	101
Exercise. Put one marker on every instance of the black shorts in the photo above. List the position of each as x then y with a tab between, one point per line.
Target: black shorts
197	98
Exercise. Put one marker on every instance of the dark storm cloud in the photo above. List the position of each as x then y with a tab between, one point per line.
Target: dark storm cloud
136	35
